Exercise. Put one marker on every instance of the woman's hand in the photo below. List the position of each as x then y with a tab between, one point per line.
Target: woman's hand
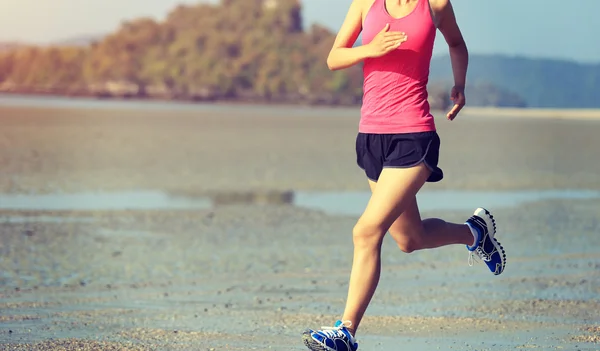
385	41
457	94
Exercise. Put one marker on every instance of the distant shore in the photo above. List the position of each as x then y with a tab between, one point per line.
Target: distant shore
533	112
475	111
133	93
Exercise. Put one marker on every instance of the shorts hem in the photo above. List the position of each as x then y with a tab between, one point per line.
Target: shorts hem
369	178
436	172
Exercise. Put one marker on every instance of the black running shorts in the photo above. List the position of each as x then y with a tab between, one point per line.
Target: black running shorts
374	152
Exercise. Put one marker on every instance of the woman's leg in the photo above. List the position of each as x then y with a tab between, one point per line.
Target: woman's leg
395	191
393	207
412	234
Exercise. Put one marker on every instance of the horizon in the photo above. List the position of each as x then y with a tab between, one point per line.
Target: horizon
481	23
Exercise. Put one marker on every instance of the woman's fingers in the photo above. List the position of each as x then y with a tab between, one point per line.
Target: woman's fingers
395	40
395	36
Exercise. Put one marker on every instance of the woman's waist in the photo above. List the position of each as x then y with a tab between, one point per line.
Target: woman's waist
411	97
406	122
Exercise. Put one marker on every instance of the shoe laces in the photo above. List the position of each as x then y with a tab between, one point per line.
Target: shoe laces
477	255
472	258
335	332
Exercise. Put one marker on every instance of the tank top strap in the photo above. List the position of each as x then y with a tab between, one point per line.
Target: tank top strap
423	6
378	5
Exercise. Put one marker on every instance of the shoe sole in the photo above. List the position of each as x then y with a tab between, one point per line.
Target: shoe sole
490	222
313	345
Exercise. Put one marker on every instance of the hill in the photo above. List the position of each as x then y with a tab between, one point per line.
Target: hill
539	82
259	50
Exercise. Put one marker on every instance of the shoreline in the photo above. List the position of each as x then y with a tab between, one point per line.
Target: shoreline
141	103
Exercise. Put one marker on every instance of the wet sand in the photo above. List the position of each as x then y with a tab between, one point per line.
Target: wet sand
281	148
249	277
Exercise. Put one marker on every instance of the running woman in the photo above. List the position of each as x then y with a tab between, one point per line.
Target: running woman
398	147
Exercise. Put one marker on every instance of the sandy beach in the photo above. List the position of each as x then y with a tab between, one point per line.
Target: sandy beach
246	275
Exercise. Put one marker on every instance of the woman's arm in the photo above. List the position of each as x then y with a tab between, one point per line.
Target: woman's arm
459	55
344	55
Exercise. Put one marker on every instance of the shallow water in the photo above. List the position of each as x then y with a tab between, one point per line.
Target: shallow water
353	203
98	201
334	203
43	219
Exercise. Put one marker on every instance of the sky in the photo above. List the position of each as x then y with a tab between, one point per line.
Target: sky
532	28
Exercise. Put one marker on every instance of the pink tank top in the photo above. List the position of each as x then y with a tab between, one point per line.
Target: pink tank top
395	85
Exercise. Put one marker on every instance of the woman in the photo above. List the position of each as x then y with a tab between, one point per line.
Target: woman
398	146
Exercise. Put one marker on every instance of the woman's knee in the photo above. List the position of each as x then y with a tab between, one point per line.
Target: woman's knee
368	234
408	242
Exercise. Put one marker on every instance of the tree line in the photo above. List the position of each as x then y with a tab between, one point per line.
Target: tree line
243	50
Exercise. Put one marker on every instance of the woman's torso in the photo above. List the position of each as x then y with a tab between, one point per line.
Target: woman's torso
395	85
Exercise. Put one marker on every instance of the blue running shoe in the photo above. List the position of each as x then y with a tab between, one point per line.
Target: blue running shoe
486	247
336	338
